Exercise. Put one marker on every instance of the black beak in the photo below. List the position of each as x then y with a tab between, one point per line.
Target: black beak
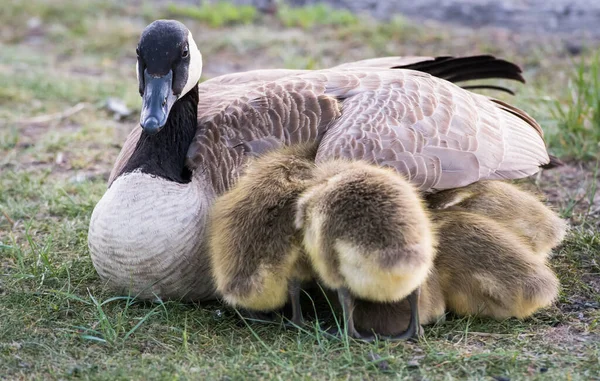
157	101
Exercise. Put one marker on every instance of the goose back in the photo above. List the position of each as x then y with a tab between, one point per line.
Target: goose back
435	133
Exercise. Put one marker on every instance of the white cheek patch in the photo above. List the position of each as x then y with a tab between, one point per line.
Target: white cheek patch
195	67
137	70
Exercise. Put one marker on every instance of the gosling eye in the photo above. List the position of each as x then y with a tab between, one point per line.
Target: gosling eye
185	52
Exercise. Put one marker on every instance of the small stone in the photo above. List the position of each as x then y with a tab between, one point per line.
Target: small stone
74	371
34	23
79	178
118	107
381	364
573	48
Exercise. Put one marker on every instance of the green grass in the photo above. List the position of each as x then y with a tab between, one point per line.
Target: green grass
578	115
222	13
59	321
215	14
63	15
311	16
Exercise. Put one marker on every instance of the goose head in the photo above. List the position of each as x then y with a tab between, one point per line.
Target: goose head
168	67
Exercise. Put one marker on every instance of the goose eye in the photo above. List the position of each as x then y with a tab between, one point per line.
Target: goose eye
137	52
185	52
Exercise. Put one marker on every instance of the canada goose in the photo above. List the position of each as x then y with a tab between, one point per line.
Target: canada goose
147	234
367	234
391	319
519	210
255	249
485	268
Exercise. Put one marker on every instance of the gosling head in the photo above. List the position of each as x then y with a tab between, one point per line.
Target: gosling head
169	65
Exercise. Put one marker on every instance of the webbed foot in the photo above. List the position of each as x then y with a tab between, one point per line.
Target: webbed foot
414	327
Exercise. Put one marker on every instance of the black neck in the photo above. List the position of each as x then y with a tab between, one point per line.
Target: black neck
164	154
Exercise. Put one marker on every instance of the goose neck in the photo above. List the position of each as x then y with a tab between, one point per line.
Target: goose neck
164	154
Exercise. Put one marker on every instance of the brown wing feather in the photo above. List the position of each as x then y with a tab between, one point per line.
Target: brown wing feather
458	69
437	134
125	154
218	92
453	69
290	111
384	62
520	114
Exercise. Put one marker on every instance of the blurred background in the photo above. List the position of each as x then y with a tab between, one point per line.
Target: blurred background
57	54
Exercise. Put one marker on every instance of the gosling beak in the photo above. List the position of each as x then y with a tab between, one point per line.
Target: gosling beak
157	101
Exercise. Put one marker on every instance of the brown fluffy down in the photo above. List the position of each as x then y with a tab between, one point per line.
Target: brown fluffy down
488	270
392	318
481	268
373	235
487	262
254	245
518	210
366	229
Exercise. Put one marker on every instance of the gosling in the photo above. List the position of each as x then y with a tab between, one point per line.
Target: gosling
391	319
518	210
481	268
487	269
513	233
256	252
368	235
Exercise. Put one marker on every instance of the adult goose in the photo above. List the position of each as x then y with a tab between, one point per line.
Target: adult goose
147	233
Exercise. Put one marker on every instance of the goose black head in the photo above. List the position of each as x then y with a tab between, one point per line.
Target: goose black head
169	65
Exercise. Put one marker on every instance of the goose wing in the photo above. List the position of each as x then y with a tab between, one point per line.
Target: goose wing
437	134
453	69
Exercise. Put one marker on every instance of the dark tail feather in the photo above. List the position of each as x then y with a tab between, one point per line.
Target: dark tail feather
489	87
459	69
554	162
